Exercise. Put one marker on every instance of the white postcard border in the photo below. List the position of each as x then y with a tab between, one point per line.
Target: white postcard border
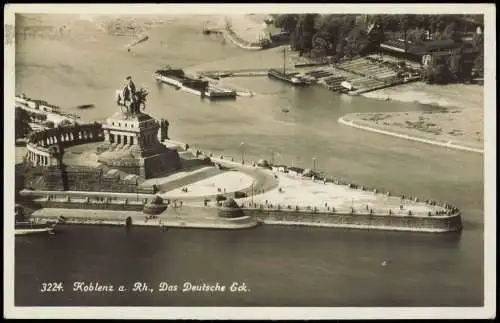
489	309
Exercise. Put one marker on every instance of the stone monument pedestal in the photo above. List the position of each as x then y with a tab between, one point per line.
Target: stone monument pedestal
131	144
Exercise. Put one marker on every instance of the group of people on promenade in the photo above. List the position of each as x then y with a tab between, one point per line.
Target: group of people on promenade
450	209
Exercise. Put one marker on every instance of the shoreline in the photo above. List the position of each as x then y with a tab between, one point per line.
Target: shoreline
227	35
450	223
446	144
358	227
466	96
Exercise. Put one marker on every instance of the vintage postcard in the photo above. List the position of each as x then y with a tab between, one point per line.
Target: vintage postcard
260	161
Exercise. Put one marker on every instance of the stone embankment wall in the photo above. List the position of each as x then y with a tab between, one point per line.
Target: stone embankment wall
364	221
91	206
79	178
93	201
158	165
45	177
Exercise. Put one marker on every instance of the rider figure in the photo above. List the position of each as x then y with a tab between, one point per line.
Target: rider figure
129	94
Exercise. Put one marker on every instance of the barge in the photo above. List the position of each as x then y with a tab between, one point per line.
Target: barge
196	86
290	78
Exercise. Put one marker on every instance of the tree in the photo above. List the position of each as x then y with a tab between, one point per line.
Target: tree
443	74
340	49
286	22
294	40
321	44
451	32
305	31
22	126
357	42
416	36
404	22
478	45
329	27
455	66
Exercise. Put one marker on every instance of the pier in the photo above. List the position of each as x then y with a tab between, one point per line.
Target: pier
216	74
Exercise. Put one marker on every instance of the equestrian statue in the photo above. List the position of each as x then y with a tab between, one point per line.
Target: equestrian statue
129	99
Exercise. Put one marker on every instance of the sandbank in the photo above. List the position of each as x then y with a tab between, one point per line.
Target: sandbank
457	124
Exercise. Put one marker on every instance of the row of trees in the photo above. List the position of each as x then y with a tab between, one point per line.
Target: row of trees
331	33
325	35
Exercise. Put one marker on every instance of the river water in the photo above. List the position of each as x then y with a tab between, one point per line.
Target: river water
281	266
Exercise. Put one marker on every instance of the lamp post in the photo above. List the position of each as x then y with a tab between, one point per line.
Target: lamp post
137	190
314	163
252	192
242	145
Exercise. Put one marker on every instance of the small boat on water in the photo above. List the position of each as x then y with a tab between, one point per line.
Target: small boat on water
24	226
28	227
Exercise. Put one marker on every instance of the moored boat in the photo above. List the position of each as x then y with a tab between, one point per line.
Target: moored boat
290	78
197	86
28	227
24	226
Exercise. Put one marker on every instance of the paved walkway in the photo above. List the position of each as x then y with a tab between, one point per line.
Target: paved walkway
263	181
304	192
228	181
179	181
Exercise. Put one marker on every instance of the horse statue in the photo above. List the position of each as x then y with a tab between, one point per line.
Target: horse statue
131	103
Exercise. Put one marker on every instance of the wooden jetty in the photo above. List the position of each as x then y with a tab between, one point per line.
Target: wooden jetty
233	73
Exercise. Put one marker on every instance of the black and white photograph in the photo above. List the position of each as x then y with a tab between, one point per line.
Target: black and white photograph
253	161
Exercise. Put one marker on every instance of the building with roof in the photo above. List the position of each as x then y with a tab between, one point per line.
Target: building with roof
421	53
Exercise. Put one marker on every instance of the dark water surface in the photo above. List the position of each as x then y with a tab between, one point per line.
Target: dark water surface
281	266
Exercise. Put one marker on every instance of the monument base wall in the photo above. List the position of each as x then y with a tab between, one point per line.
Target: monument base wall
79	178
160	164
